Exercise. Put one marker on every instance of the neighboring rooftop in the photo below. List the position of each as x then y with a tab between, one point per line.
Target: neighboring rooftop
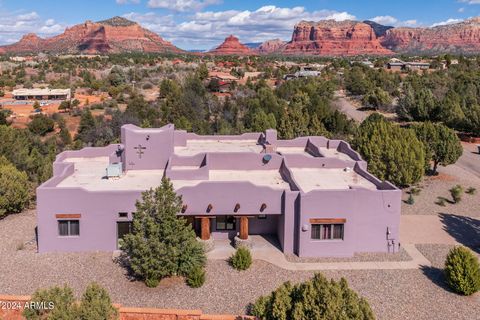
41	92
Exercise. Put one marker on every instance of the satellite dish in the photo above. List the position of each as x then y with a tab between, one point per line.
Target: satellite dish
267	158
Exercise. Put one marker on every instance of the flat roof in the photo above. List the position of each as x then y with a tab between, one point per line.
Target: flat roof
41	92
293	150
334	153
309	179
194	147
264	178
90	174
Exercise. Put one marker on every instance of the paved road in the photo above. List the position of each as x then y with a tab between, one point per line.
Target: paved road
345	106
470	160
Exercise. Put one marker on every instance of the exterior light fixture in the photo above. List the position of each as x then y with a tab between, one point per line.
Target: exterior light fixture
237	207
263	207
209	208
184	208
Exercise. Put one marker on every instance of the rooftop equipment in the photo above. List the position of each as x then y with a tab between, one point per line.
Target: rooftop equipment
114	170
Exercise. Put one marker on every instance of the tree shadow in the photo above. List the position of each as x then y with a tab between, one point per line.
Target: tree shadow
465	230
437	276
122	261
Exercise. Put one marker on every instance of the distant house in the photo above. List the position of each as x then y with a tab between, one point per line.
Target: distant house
42	94
399	65
304	72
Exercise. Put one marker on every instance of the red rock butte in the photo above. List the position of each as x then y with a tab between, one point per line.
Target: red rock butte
232	46
331	38
109	36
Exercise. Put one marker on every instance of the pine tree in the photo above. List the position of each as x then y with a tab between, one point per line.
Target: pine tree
96	304
162	244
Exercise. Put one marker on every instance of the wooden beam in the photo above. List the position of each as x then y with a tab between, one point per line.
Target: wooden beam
244	228
68	216
205	229
328	221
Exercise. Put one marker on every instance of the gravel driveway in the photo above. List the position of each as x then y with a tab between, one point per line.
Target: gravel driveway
393	294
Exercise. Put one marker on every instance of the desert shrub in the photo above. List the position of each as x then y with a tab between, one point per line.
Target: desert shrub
456	193
58	302
96	304
161	243
411	199
314	299
462	271
415	191
196	278
147	86
14	188
471	191
440	201
241	259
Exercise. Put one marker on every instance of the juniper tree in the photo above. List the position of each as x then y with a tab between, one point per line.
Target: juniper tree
161	243
442	146
315	299
393	153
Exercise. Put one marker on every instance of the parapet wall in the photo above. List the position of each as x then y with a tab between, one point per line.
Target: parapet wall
15	313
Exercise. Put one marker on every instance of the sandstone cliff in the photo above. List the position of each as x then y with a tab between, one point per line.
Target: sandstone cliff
272	46
232	46
463	37
109	36
331	38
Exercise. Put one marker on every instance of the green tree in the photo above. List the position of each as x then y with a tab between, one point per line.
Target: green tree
462	271
14	188
162	244
41	125
36	105
202	71
262	121
87	123
393	153
316	299
96	304
3	118
442	145
59	304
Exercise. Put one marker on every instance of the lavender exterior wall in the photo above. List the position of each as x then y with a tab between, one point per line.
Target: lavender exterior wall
158	144
368	212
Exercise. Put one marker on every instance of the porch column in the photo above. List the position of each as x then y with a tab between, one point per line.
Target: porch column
205	228
244	228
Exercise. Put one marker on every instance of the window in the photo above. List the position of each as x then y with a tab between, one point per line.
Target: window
123	214
225	223
68	228
327	231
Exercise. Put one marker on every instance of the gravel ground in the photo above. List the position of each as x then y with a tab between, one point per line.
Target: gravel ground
393	294
438	186
437	253
358	257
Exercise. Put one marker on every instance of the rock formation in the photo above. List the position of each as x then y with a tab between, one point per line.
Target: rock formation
463	37
232	46
272	46
109	36
332	38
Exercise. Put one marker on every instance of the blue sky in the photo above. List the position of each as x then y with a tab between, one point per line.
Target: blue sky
202	24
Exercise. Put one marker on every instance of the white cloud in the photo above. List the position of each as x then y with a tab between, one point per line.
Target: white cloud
14	25
394	22
208	29
470	1
181	5
446	22
461	10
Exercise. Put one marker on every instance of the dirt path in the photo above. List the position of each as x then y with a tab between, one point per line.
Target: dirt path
344	105
470	160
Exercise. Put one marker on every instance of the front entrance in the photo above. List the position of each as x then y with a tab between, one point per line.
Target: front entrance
123	228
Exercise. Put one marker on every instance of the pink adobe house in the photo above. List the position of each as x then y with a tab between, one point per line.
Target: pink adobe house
313	194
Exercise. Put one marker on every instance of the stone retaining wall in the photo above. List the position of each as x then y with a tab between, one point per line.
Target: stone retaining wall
10	310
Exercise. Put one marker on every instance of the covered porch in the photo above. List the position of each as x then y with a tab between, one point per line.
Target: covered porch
228	227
